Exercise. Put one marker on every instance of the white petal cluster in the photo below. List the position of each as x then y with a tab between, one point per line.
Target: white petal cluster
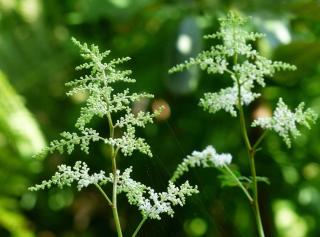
227	100
206	158
235	37
216	64
66	175
70	140
128	143
249	72
150	203
284	122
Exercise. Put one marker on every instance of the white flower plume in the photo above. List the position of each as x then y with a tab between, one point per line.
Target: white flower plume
227	99
66	175
234	56
206	158
284	122
150	203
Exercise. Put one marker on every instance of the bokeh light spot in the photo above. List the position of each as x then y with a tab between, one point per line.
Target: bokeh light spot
288	223
120	3
311	171
262	111
165	113
308	195
184	44
28	200
60	199
7	4
280	30
290	175
196	227
30	10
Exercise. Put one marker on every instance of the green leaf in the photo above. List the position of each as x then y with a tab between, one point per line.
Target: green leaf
227	180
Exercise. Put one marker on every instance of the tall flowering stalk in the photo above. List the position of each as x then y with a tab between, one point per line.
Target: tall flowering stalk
246	69
102	101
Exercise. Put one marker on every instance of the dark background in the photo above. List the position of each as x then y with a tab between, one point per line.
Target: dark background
37	57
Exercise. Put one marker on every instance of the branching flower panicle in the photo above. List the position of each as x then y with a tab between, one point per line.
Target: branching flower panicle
102	101
128	143
150	203
66	175
284	122
246	69
236	57
70	140
227	99
206	158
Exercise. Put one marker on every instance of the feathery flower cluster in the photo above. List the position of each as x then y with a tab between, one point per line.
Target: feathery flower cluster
102	101
150	203
246	69
69	140
236	57
206	158
284	121
66	175
128	143
227	99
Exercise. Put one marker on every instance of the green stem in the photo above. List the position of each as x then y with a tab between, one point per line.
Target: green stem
256	207
253	171
114	196
111	127
104	194
259	140
115	180
139	227
253	174
239	183
243	121
251	153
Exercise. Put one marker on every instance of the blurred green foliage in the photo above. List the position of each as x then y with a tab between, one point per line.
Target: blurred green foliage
20	137
37	58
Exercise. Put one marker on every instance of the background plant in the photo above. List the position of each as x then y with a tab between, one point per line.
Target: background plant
246	68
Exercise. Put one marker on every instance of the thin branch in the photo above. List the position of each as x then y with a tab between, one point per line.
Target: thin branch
115	179
239	183
104	194
259	140
139	227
